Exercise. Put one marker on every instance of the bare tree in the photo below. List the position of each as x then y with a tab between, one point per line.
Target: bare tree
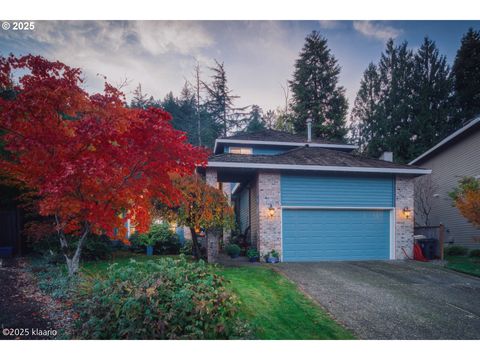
197	87
425	190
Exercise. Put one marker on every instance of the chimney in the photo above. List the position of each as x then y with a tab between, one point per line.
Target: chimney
387	156
309	130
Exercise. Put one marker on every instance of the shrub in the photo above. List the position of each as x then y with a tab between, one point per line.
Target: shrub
164	240
475	253
186	249
164	298
96	247
233	250
252	253
455	251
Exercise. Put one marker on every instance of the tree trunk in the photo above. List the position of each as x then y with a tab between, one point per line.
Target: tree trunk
73	263
195	245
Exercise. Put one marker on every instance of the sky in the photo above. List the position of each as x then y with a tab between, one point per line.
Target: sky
258	55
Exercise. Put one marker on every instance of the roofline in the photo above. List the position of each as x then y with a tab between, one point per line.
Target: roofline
225	164
285	143
446	140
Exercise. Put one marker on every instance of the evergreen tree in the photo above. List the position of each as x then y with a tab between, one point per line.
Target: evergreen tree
255	121
364	117
432	99
221	102
140	99
466	71
315	90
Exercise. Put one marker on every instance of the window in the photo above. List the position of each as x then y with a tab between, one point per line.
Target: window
240	150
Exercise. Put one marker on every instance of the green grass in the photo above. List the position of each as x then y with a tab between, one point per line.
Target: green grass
464	264
272	304
277	309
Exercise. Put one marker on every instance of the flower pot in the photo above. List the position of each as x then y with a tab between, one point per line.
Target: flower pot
234	256
6	251
149	250
253	259
272	260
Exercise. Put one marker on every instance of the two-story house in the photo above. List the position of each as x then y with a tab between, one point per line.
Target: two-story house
314	200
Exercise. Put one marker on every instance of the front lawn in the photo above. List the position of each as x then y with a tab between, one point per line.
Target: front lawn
464	264
273	305
277	309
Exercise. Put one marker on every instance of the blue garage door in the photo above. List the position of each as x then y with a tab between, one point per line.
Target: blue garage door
325	234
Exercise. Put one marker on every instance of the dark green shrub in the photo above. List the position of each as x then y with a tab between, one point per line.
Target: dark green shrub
455	250
475	253
232	250
165	298
186	249
96	247
252	253
164	240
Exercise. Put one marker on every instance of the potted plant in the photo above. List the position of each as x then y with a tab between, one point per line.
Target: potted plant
272	257
233	250
253	255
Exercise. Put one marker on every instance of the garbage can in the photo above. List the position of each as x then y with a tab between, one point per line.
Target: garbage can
429	247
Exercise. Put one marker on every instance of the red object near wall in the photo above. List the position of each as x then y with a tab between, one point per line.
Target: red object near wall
417	253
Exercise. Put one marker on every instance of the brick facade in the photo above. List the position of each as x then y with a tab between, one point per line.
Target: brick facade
212	237
269	228
403	227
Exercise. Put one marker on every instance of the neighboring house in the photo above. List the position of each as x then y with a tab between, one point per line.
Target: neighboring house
315	200
456	156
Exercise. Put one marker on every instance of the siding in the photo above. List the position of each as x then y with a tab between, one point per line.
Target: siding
334	190
448	166
254	213
244	211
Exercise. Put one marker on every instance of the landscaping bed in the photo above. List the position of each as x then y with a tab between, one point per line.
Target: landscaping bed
464	264
244	302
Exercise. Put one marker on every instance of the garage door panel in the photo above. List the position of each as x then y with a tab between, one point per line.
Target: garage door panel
315	235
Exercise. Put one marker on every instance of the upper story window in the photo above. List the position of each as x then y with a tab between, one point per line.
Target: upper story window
240	150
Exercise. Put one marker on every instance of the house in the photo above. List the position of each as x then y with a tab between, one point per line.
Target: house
454	157
312	200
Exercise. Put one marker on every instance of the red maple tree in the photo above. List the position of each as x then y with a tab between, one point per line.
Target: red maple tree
90	161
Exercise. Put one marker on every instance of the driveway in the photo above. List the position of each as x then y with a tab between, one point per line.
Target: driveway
393	299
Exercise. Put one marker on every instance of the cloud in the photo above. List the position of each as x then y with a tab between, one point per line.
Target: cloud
376	30
329	24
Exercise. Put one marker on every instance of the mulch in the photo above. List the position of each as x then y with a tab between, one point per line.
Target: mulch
25	312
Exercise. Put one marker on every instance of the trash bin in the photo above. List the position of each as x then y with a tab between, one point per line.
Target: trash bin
429	247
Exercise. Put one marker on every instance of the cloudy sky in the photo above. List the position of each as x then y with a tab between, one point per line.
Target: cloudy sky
258	55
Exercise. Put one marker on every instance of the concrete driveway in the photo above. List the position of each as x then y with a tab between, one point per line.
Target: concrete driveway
393	299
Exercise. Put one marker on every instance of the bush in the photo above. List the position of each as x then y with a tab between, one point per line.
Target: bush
455	251
164	240
96	247
252	253
164	298
233	250
475	253
186	249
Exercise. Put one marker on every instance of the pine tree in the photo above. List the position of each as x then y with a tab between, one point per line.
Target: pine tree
364	117
255	121
221	102
432	99
140	99
466	71
315	90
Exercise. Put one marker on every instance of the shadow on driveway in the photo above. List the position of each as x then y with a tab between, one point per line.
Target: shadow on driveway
393	299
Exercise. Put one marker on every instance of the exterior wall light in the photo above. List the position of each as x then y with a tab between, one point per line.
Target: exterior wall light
271	212
407	212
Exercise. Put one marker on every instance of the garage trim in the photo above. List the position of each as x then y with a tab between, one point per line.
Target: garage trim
392	220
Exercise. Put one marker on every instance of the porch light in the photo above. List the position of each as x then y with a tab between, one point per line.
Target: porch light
271	212
407	212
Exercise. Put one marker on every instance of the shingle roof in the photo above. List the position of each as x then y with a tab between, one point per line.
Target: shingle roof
275	135
311	156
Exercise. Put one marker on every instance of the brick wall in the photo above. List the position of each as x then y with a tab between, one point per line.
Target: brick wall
269	228
403	227
254	213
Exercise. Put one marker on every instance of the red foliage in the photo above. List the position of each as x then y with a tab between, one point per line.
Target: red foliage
87	158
